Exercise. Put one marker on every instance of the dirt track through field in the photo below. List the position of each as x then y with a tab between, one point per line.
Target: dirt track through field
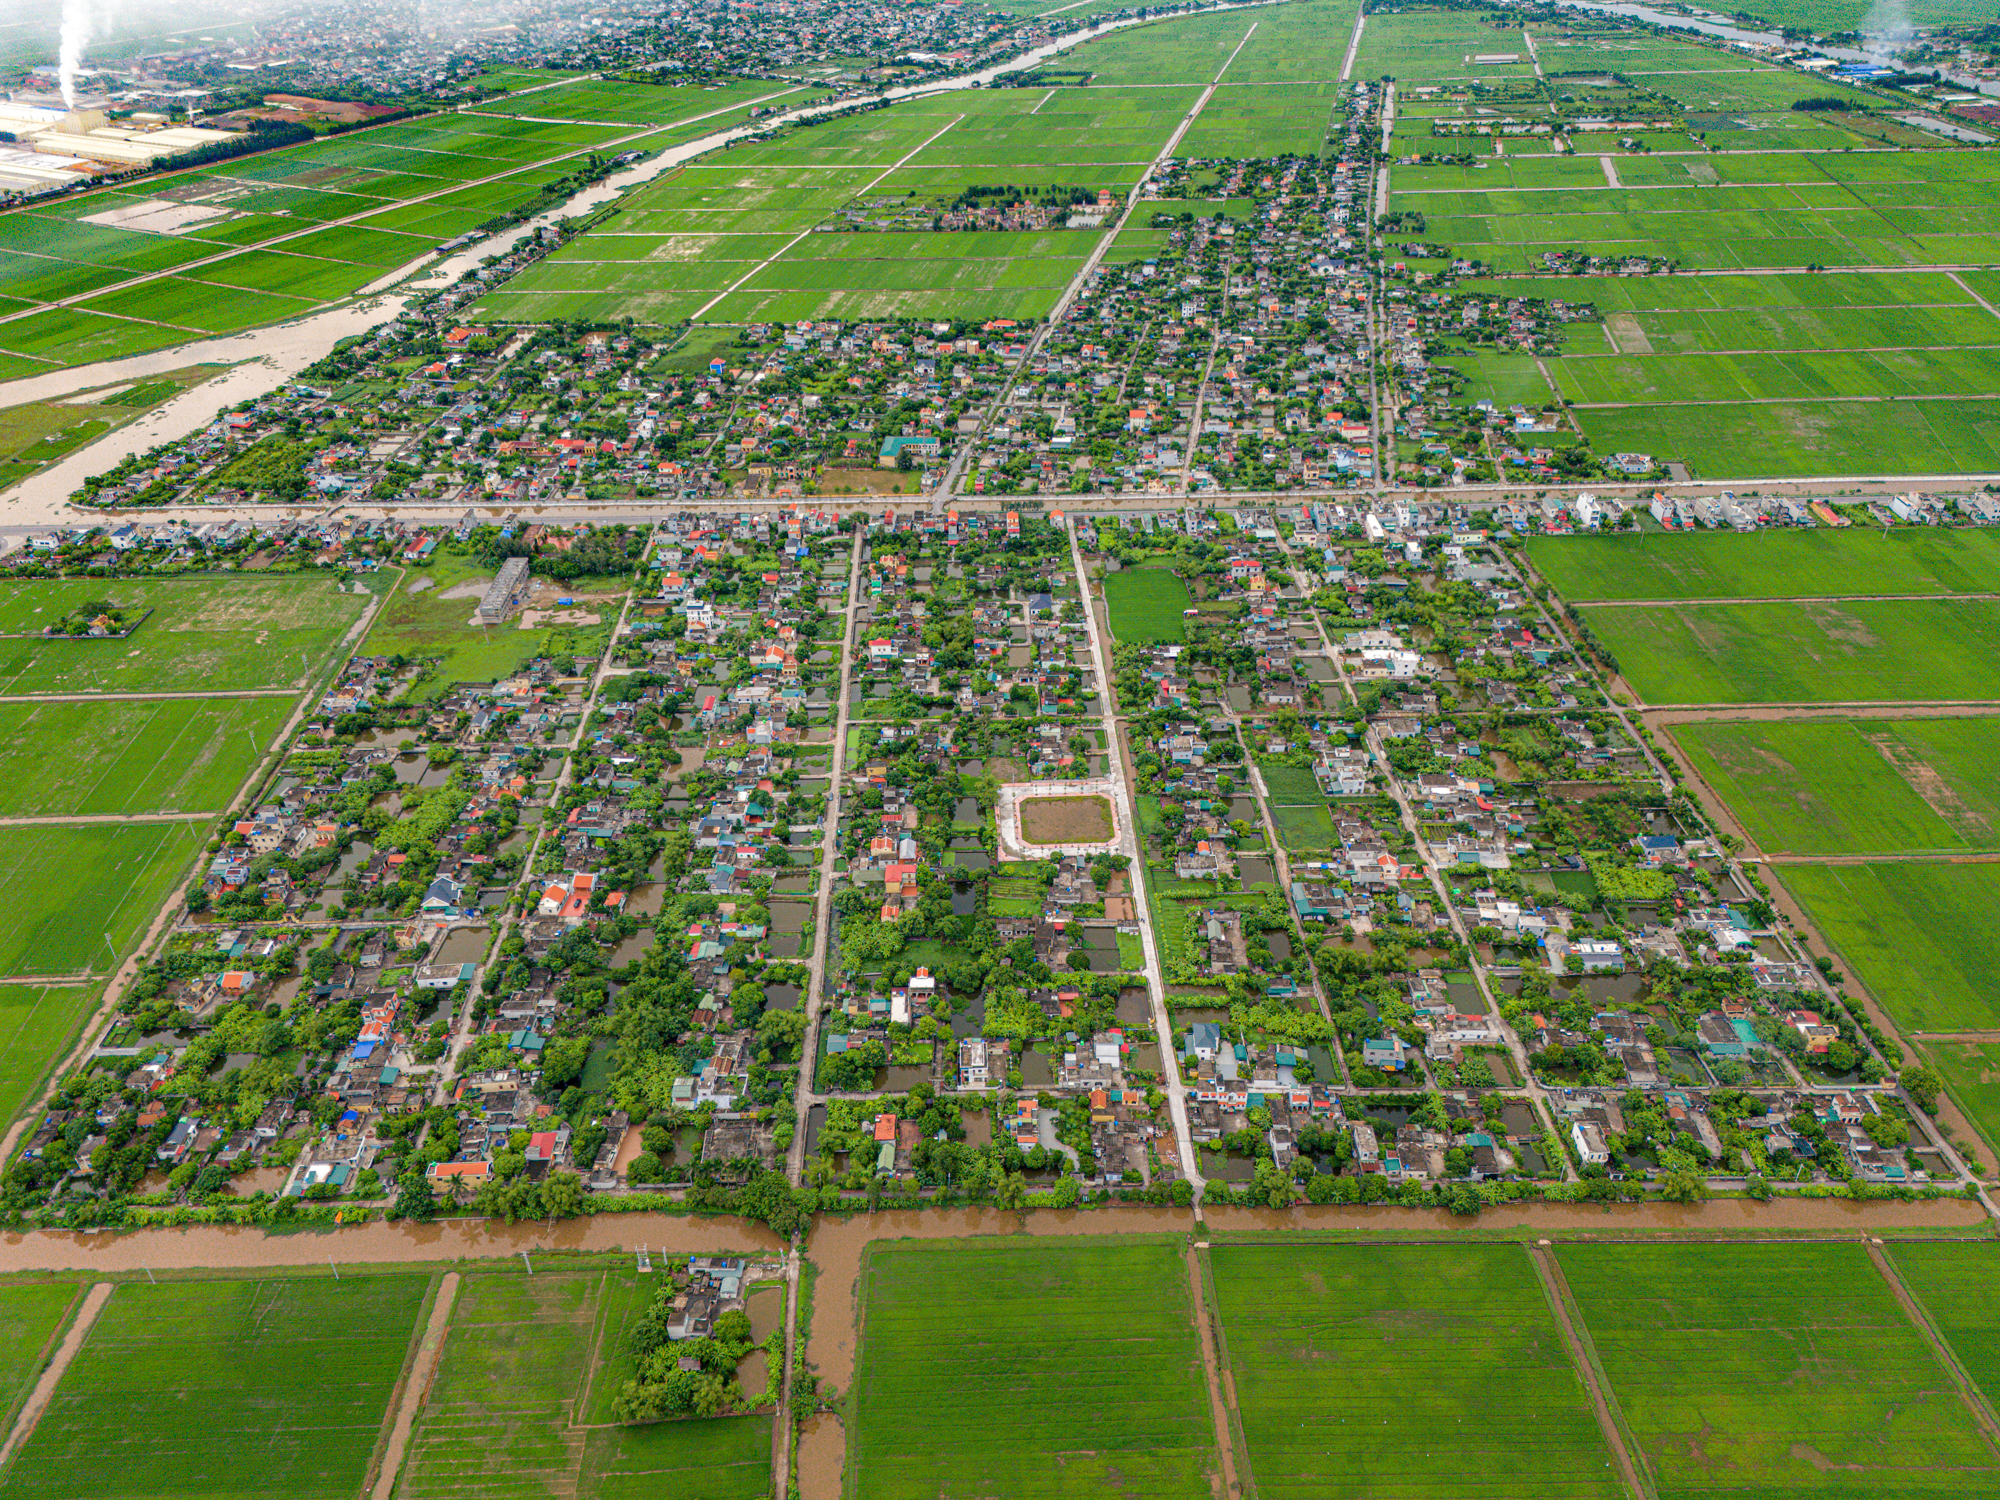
422	1370
45	1388
1583	1357
1211	1364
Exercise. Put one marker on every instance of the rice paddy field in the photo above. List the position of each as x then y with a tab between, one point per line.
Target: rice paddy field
1894	651
288	231
1855	786
521	1403
1301	1324
832	218
1079	1358
38	1022
1919	934
1793	563
1971	1074
83	892
1953	1283
83	758
31	1318
1774	1370
204	634
1145	605
274	1387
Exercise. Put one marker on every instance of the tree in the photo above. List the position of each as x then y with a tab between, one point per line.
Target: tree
1923	1085
414	1198
562	1195
1684	1185
1012	1193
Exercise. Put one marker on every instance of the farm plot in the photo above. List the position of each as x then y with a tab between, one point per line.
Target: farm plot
1953	1283
96	244
1783	564
1788	439
884	275
1921	936
31	1314
1146	605
1854	651
1243	120
84	891
1420	47
1301	828
1971	1074
38	1022
1111	1315
204	634
131	756
521	1404
1290	784
605	100
1846	786
1696	1341
1299	1321
289	1379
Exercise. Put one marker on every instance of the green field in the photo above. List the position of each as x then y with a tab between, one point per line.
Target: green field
1080	1356
204	634
1855	786
1953	1283
84	892
225	1388
1921	936
37	1024
1315	1336
429	625
1971	1072
1761	1370
1904	650
79	758
31	1313
1769	564
1290	784
521	1404
1145	605
1308	827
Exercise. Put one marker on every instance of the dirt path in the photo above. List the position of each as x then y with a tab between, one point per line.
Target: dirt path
417	1387
1658	718
45	1388
781	1428
220	1247
1982	1412
1211	1364
1584	1356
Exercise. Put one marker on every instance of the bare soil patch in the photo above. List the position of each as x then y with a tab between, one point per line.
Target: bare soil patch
417	1386
1066	820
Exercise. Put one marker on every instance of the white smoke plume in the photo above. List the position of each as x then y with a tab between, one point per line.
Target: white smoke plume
77	23
1885	29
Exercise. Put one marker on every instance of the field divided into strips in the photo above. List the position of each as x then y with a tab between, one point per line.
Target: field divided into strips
83	892
1762	1371
607	101
1971	1074
225	1389
1417	48
1855	786
1854	651
83	759
1756	210
1794	563
521	1404
732	221
1311	1333
1028	1369
204	634
408	186
1919	935
1260	119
